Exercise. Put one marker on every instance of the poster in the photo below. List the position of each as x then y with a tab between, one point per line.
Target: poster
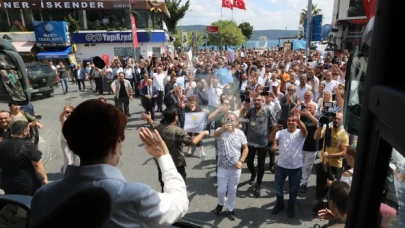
180	82
194	122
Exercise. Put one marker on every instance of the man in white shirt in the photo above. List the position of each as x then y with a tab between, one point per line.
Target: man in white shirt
158	79
290	162
302	87
214	93
329	83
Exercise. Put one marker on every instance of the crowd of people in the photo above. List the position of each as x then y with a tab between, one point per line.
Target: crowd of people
277	102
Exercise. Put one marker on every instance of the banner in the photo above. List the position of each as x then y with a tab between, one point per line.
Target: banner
224	75
66	4
52	33
231	55
180	81
212	29
194	122
299	44
134	34
184	39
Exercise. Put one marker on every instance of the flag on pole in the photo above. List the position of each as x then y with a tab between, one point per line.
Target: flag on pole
240	4
227	4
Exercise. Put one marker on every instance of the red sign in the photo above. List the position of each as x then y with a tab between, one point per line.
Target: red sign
358	21
212	29
134	34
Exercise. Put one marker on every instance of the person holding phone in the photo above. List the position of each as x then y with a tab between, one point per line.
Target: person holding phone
230	142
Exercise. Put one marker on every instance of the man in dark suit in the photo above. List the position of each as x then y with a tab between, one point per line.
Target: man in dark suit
148	96
137	77
79	74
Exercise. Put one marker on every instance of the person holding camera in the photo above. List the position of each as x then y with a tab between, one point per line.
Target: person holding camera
335	147
290	160
230	142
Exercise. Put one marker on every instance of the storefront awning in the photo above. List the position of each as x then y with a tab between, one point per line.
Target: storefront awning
55	54
23	46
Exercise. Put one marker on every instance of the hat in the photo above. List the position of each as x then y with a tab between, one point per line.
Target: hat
98	62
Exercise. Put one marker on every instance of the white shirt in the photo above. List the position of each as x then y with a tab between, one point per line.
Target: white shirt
109	72
229	148
329	86
190	88
290	149
274	107
213	96
133	204
128	73
243	86
158	80
301	91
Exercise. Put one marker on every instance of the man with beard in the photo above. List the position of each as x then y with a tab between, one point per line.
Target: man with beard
20	162
4	124
332	155
122	90
289	163
259	127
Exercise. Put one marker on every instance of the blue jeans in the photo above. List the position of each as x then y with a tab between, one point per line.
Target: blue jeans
294	178
64	82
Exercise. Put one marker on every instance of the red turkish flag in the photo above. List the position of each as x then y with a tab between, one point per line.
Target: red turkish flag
369	7
227	4
240	4
106	59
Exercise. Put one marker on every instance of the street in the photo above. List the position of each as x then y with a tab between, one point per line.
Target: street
138	166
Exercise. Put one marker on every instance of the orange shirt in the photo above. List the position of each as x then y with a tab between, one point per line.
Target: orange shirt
286	78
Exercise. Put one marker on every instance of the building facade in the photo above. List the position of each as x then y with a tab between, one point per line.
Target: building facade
349	21
95	27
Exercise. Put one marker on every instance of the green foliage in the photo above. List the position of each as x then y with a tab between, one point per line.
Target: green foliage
177	42
230	33
247	30
177	12
74	24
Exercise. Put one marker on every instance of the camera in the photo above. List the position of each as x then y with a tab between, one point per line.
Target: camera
326	116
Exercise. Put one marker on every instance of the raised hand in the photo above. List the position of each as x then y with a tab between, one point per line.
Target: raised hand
153	143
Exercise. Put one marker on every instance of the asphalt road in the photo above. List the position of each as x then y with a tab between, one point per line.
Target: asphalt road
138	166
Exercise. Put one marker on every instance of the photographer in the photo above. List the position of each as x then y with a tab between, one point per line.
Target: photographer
335	146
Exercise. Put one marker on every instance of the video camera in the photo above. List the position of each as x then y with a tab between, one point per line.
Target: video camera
327	116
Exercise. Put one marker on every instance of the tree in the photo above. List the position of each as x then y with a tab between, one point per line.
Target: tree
177	42
177	12
230	33
247	30
315	11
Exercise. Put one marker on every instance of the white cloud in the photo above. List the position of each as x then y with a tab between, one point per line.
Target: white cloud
262	14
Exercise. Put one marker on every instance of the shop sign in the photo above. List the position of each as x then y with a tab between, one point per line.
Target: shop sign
69	4
51	33
103	37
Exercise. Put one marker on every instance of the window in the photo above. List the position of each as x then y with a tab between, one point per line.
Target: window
123	51
108	19
28	19
156	51
141	18
16	23
4	26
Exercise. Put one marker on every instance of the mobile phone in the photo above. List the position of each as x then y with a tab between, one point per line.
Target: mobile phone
247	100
228	121
280	121
303	107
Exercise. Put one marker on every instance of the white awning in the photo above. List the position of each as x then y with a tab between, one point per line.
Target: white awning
23	46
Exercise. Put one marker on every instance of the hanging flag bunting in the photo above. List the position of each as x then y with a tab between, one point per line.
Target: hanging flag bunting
227	4
240	4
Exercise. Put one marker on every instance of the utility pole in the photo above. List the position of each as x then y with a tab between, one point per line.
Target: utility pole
309	32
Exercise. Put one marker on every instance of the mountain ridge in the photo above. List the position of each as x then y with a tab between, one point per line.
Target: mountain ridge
271	34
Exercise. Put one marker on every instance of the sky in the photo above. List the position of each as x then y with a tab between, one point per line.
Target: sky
262	14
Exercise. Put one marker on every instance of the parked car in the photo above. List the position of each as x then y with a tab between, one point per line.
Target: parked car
42	79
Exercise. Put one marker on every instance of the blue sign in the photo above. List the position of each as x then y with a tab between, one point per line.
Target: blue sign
51	33
116	37
316	28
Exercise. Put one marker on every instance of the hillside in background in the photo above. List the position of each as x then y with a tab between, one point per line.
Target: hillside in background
271	34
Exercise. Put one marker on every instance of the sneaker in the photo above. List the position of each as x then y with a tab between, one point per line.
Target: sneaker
231	215
203	157
189	153
256	191
277	209
218	209
291	212
303	188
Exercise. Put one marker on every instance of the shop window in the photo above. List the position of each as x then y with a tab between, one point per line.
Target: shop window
123	51
36	14
46	15
108	20
156	51
27	14
4	26
157	20
141	17
16	23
